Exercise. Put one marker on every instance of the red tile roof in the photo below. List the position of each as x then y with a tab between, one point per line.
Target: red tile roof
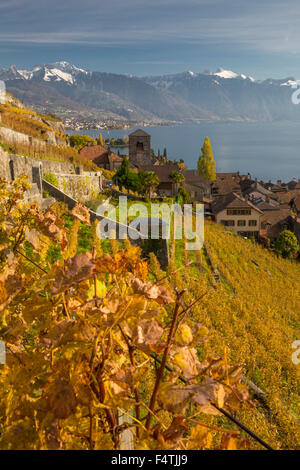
99	154
227	183
162	171
139	132
233	201
287	196
272	222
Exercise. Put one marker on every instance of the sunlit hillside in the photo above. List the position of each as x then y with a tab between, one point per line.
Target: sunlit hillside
25	132
252	308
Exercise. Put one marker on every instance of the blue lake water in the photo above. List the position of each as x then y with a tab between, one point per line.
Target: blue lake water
265	150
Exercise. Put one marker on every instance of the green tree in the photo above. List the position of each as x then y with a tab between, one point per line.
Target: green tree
183	196
165	153
79	141
286	244
150	182
206	162
126	177
176	177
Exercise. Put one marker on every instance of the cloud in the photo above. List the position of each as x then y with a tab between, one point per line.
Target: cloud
265	25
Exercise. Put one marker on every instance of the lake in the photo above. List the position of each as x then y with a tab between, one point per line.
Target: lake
268	151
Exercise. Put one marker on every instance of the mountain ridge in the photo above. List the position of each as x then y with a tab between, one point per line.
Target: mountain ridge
182	97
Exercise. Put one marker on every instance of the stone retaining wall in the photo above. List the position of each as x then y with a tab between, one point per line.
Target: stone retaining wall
82	187
11	166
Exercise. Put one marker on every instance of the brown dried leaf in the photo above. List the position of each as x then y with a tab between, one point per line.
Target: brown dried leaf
76	269
121	381
175	430
11	263
46	223
79	330
61	398
186	361
205	392
81	213
33	237
174	398
152	291
147	336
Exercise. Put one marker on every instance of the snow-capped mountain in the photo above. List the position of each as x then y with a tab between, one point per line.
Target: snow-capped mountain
230	74
57	72
186	96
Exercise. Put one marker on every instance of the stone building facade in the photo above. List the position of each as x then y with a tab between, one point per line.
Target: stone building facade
238	214
140	148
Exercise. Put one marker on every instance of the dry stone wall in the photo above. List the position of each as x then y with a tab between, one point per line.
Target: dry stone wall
11	166
71	179
82	187
9	135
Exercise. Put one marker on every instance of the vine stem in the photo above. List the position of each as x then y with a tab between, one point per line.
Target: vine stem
136	392
95	277
165	357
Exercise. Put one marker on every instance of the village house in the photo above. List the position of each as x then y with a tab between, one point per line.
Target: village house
102	157
166	186
280	187
275	187
238	214
261	197
198	187
242	204
275	220
226	183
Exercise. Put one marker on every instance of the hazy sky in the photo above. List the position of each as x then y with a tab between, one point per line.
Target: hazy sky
257	37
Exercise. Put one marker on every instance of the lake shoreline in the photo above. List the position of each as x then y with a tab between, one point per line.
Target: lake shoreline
268	151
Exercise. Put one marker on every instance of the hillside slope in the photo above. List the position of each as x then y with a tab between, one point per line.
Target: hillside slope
253	313
25	132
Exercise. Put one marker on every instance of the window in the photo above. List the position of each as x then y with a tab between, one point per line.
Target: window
241	223
249	234
238	211
252	223
228	223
